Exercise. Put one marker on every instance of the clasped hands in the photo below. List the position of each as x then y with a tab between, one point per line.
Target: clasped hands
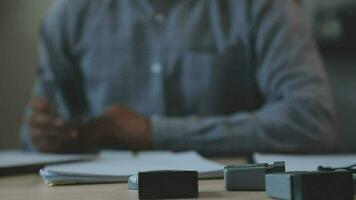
116	126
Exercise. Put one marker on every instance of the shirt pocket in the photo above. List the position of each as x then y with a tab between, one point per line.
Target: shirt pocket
110	76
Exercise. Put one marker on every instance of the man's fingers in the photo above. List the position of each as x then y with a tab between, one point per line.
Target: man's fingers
49	141
42	141
54	133
39	103
46	144
42	106
44	121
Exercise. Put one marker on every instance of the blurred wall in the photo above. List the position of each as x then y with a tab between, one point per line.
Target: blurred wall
19	20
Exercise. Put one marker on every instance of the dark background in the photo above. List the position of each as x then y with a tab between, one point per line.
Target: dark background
333	23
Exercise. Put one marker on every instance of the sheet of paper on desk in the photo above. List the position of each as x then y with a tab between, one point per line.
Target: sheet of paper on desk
16	158
117	166
307	162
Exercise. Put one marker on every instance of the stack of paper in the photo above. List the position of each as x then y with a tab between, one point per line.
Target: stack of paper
117	166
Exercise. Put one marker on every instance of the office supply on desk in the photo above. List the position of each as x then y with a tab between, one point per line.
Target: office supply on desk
310	186
350	168
118	166
167	184
249	176
307	162
132	183
16	161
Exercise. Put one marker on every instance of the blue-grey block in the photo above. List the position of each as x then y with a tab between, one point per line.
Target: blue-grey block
279	185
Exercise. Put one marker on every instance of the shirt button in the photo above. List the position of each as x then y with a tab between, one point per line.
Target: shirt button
156	68
159	18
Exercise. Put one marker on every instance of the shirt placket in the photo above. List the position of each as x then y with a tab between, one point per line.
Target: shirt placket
157	66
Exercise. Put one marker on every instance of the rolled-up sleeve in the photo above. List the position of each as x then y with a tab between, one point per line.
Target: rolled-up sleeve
298	113
57	79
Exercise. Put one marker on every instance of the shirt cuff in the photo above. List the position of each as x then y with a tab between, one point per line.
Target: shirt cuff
215	135
166	134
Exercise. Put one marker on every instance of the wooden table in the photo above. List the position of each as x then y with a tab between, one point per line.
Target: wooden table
31	187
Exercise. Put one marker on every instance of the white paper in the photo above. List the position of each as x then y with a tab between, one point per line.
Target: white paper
307	162
17	158
119	165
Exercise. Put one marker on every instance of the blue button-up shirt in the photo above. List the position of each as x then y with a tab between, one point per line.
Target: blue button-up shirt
213	76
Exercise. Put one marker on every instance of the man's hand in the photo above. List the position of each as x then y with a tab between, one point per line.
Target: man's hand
48	132
117	126
121	127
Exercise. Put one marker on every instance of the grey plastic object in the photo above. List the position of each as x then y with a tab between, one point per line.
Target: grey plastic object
250	177
310	186
354	180
133	182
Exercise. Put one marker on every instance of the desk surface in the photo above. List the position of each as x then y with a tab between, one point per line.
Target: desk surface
31	187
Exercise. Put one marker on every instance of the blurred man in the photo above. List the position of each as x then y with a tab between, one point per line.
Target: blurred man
213	76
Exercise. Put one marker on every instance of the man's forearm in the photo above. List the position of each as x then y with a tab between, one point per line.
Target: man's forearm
288	126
